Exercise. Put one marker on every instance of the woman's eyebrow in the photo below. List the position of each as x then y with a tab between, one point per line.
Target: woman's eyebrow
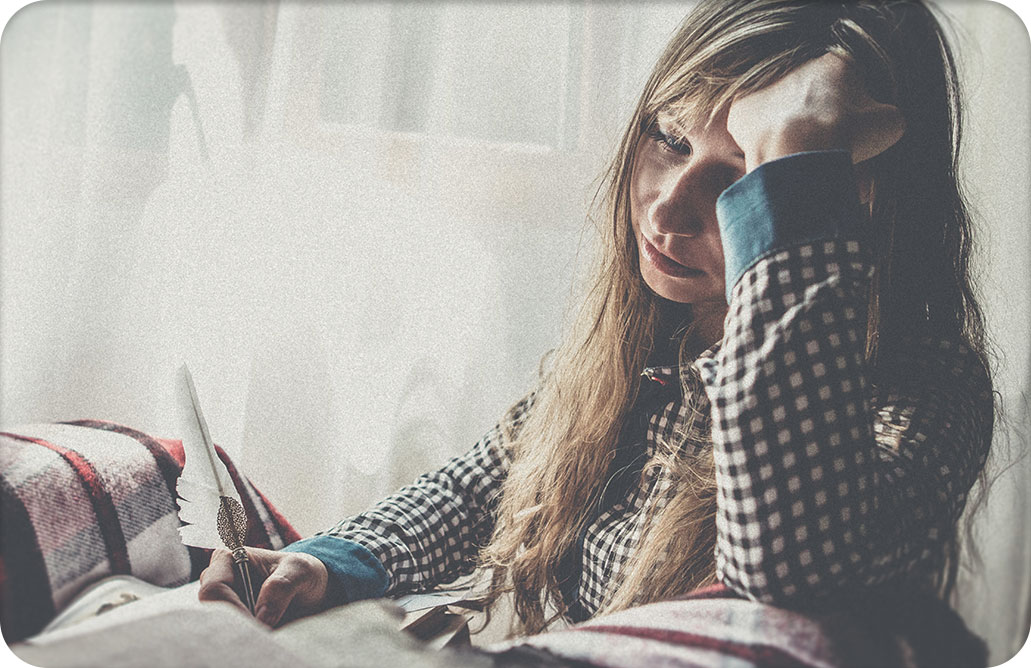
671	122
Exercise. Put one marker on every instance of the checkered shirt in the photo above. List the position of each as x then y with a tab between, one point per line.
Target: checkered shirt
825	480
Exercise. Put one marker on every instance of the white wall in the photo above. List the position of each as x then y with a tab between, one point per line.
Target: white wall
359	300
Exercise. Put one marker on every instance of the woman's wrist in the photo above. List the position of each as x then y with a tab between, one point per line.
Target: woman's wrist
354	573
799	135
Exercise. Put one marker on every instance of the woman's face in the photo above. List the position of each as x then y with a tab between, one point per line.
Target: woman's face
678	174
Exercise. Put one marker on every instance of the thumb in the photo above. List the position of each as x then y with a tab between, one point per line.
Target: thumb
877	128
276	594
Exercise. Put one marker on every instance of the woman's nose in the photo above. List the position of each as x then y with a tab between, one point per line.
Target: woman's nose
684	203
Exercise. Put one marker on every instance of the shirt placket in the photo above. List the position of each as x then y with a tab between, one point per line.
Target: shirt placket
603	545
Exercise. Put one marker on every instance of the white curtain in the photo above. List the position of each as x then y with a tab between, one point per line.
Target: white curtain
359	224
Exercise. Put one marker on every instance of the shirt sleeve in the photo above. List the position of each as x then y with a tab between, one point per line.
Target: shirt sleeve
826	483
427	533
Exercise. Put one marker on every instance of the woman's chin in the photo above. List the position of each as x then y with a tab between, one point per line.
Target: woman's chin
683	290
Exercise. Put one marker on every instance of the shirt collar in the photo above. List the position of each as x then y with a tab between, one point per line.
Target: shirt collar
664	374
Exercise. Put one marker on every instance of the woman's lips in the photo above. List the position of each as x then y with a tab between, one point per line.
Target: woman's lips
666	264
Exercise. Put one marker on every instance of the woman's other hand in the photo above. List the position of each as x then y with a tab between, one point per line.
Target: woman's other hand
821	105
291	581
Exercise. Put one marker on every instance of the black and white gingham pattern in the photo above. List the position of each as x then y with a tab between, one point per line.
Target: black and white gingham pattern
613	536
825	481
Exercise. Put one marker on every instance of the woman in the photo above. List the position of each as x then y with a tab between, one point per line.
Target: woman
779	380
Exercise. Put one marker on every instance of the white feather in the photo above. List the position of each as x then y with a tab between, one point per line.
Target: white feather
204	478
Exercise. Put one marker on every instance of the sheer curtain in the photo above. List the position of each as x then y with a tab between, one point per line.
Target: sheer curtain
359	224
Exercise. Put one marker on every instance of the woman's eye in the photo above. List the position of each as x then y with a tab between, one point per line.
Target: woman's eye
669	142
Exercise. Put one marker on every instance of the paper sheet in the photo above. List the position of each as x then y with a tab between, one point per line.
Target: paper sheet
413	602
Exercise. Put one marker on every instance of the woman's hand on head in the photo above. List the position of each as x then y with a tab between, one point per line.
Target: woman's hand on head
293	584
821	105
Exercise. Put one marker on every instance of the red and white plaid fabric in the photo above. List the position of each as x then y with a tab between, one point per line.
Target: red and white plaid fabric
84	500
716	627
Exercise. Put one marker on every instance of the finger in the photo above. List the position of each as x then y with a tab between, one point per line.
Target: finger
216	582
280	588
220	569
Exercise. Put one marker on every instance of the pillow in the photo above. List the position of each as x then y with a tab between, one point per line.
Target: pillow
87	499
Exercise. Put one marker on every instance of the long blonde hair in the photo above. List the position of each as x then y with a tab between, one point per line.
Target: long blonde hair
562	453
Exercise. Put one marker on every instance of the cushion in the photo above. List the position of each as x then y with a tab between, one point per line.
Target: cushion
84	500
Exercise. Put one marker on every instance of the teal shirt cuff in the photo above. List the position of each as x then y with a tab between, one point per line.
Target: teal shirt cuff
793	200
354	572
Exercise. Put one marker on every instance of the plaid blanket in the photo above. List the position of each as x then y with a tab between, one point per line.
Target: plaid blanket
715	627
84	500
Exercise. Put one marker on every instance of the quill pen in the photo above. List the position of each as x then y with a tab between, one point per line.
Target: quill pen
209	505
